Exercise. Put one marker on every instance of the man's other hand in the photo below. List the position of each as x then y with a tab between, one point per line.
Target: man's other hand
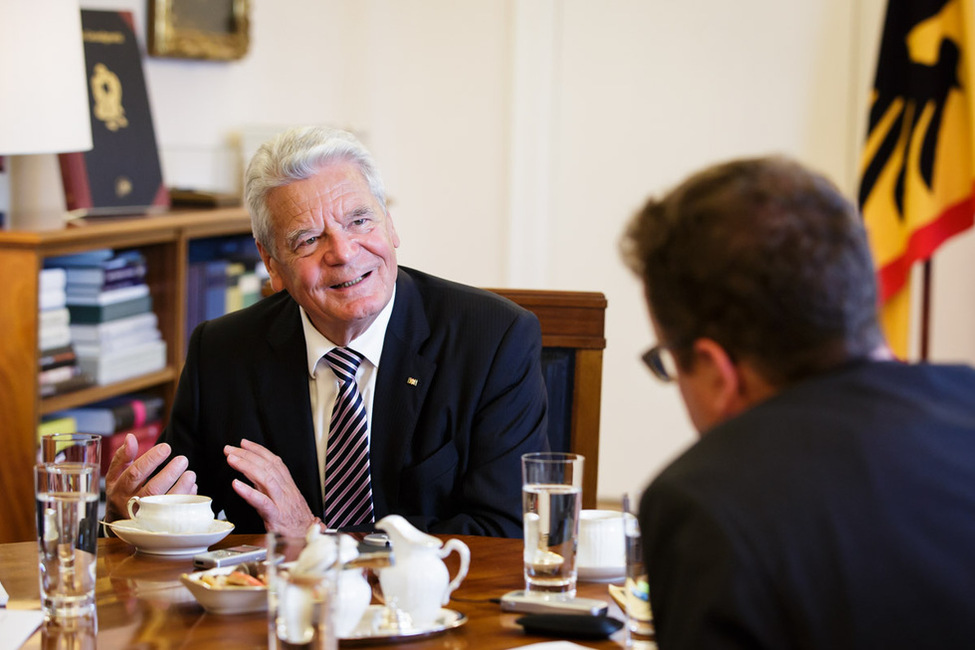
129	476
273	494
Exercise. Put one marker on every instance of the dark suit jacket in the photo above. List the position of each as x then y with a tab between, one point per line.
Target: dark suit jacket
838	514
445	449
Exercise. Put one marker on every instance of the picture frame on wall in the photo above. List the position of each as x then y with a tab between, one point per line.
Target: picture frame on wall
216	30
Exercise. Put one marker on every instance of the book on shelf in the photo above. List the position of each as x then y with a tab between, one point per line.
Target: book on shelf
57	375
93	290
215	294
51	299
51	318
53	329
239	248
126	265
49	338
52	279
92	257
59	371
233	295
243	287
116	414
250	288
96	258
146	435
125	364
82	380
57	357
102	332
90	314
107	297
222	276
122	172
56	424
117	343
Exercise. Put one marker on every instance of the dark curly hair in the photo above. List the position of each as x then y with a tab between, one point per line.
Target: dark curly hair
766	258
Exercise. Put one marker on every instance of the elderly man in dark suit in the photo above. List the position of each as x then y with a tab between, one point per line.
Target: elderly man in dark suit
445	390
830	502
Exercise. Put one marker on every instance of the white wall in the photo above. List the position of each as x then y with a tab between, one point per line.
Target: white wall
635	95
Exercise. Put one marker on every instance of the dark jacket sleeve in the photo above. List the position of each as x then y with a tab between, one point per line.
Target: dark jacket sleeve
705	590
510	420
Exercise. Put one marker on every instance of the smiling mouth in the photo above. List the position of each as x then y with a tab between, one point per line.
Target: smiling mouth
351	283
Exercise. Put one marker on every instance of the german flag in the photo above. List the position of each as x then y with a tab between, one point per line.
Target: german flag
918	167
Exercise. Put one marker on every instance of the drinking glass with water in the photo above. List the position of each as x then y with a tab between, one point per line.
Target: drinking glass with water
639	619
67	534
551	502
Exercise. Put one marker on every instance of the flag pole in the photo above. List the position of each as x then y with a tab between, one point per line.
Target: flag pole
925	308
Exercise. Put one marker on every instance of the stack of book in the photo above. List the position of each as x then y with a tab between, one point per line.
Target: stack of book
59	371
138	414
224	275
113	328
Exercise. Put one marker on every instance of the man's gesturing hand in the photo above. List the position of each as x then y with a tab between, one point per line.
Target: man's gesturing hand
128	476
274	494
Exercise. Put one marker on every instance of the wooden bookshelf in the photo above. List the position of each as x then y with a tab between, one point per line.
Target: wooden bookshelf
164	240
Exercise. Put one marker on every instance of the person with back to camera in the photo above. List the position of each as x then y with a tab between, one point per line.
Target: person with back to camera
830	501
436	386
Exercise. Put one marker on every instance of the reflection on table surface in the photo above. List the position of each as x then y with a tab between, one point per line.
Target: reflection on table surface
141	602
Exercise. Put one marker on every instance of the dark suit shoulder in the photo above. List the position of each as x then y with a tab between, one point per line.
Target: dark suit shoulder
839	421
453	301
276	316
256	315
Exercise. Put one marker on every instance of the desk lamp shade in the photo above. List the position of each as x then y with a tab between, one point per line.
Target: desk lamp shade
43	90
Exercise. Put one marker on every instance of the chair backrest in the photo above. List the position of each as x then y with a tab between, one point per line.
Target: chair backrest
573	326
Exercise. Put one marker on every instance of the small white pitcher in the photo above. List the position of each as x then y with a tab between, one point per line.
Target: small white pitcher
418	582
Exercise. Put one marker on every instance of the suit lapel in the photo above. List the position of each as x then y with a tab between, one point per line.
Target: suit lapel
284	406
401	386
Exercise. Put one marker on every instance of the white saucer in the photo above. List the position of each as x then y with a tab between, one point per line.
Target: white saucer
601	574
169	544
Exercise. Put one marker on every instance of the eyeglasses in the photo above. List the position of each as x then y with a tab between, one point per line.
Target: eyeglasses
661	362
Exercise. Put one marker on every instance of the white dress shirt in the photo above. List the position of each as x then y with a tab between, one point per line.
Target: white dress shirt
323	385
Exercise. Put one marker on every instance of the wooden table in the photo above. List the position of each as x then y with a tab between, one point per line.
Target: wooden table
142	604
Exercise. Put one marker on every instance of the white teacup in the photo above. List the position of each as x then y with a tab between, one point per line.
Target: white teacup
172	513
601	540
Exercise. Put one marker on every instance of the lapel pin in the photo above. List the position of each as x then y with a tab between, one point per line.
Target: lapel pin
412	381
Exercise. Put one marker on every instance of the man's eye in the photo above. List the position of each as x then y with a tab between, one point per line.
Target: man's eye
358	223
308	241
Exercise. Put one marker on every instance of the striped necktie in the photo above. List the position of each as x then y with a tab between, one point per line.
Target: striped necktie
348	488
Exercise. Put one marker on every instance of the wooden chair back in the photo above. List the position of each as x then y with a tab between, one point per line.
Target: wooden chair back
573	340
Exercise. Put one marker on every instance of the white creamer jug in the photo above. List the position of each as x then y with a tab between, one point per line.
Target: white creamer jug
417	582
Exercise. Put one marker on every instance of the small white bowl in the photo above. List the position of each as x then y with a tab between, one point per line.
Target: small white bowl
224	600
601	556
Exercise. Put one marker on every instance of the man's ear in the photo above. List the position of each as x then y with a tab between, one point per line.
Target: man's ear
271	265
391	229
720	378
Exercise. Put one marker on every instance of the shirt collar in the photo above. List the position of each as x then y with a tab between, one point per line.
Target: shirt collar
369	344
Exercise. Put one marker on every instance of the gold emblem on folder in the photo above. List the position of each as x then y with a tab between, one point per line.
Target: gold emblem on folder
106	90
123	186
